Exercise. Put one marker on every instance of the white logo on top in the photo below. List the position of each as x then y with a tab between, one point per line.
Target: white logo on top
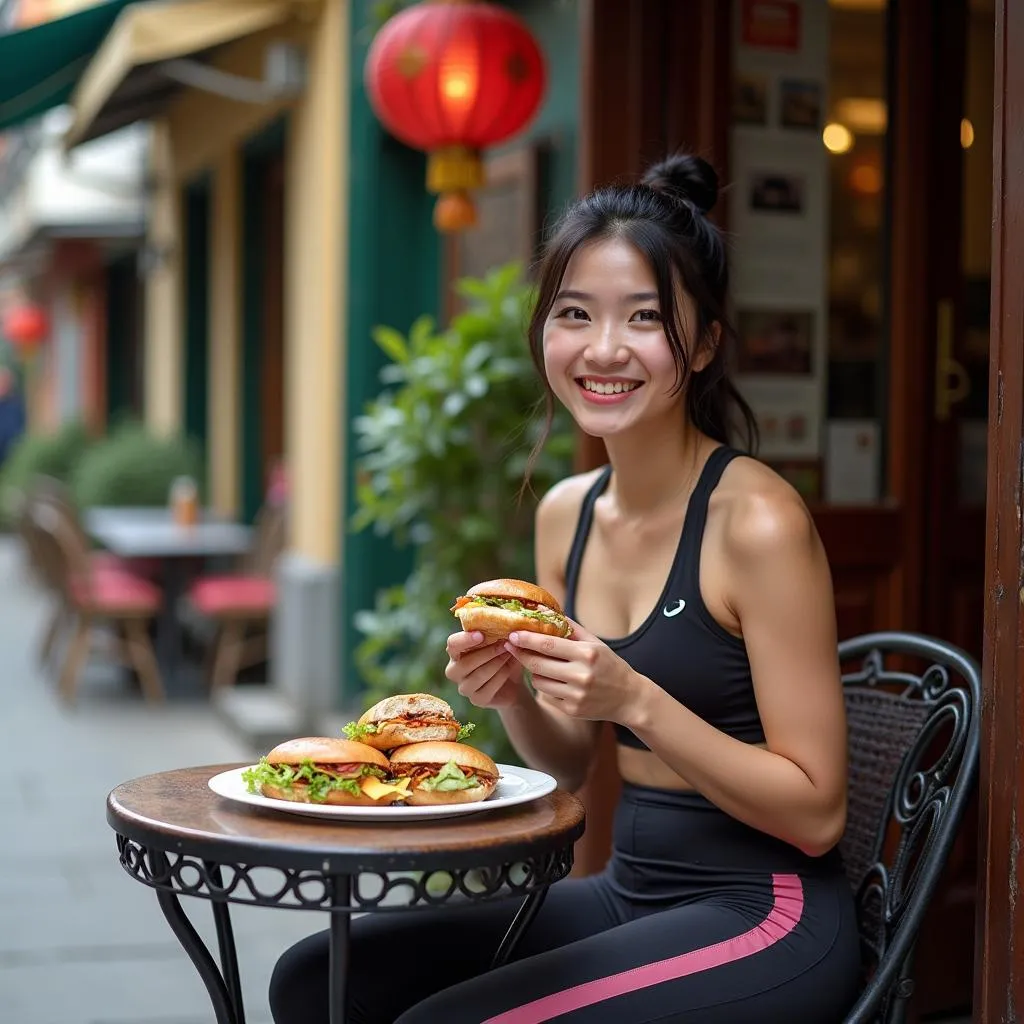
672	611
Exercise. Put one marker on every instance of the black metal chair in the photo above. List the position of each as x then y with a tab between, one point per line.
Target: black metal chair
913	747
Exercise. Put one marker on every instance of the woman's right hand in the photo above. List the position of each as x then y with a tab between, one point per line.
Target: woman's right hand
486	674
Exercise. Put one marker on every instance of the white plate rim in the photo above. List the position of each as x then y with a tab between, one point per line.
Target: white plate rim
530	783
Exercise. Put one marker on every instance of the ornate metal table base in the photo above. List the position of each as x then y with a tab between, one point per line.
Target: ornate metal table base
174	874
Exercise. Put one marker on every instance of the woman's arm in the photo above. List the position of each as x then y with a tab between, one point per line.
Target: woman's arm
544	737
781	592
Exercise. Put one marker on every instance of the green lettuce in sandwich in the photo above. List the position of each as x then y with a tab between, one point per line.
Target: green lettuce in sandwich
325	770
444	773
499	607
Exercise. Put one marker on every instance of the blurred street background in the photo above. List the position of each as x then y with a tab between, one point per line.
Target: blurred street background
81	942
265	401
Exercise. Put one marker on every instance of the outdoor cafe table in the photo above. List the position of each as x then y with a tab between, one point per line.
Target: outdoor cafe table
181	839
152	533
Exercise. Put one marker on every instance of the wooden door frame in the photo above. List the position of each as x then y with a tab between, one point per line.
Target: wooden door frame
925	214
910	325
999	957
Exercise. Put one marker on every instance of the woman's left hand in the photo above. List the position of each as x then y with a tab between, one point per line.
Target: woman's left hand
583	675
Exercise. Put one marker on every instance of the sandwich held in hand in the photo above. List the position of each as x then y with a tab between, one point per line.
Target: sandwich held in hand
499	607
444	773
407	718
326	770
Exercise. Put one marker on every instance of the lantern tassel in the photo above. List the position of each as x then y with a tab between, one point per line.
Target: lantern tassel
452	172
454	211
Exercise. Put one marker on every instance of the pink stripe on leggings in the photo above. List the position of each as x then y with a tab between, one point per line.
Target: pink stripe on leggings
787	908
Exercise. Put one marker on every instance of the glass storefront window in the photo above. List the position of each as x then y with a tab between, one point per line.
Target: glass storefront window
807	215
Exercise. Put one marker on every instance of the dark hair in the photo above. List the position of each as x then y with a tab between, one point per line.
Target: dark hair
663	217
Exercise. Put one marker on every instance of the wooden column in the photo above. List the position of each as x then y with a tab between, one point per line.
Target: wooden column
655	78
999	978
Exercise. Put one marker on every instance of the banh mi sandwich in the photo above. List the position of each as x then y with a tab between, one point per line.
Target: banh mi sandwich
325	770
444	773
499	607
407	718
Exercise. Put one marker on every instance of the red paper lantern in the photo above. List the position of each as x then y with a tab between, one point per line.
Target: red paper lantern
25	326
453	77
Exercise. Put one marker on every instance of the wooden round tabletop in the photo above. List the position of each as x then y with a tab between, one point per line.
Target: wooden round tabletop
177	811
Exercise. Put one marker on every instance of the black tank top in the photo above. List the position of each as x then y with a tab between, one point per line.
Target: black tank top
679	645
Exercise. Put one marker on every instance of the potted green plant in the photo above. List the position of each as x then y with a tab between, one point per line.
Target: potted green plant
443	449
134	467
53	455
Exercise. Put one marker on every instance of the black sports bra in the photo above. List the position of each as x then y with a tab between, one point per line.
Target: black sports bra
679	645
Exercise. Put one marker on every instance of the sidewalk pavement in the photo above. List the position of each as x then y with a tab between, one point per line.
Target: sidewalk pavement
81	942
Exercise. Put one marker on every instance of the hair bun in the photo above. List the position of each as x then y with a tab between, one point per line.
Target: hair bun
685	176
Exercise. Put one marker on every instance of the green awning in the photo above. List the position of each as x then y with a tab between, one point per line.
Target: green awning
40	66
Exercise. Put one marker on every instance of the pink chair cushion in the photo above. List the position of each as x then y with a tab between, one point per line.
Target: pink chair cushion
114	589
220	595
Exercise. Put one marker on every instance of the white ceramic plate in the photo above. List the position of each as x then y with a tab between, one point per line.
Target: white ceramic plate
515	786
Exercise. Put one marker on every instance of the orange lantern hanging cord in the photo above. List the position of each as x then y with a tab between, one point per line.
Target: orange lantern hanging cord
452	78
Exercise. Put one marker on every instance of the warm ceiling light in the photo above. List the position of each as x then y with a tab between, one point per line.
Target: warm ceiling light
966	133
837	138
863	115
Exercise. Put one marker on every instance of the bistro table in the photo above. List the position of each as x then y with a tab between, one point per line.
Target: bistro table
152	533
181	839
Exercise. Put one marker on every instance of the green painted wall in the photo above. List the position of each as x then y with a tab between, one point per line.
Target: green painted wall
396	268
250	364
255	155
124	340
197	309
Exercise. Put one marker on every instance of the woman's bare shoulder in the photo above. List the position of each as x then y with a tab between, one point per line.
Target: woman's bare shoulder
560	506
759	511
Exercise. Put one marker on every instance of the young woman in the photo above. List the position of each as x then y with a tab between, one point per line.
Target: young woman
704	630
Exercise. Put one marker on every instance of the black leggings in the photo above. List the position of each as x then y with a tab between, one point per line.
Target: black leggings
681	926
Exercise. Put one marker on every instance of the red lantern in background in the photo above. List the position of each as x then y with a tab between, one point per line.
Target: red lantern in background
453	77
25	326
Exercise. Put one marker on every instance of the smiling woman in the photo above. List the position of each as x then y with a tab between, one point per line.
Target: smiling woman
702	627
617	261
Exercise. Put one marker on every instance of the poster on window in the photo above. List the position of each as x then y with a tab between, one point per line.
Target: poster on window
788	415
778	220
776	341
771	24
853	462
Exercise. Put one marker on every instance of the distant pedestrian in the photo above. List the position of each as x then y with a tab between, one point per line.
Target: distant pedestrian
12	413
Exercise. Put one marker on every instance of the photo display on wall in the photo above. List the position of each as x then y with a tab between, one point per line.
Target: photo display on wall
778	223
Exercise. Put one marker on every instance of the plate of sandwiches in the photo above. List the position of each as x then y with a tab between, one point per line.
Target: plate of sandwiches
405	759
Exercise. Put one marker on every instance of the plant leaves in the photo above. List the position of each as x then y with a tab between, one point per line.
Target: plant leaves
440	456
391	343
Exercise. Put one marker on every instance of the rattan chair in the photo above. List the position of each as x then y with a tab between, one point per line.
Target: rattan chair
913	707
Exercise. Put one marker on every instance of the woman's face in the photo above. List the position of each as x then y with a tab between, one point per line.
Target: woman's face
606	354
